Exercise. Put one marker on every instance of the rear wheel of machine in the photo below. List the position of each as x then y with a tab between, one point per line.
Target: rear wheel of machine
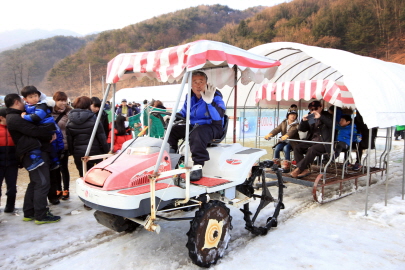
114	222
209	233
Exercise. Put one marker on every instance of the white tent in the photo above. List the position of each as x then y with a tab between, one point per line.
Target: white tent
165	93
377	87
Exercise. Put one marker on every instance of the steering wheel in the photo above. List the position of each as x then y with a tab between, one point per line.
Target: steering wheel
179	119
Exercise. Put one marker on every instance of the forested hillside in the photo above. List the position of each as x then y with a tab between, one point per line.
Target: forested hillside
159	32
30	63
367	27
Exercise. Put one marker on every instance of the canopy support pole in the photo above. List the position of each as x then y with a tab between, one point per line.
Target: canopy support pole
368	170
243	124
403	174
113	119
162	149
257	124
187	137
187	77
172	117
235	101
93	133
389	136
332	152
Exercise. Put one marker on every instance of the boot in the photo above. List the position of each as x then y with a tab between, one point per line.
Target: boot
196	175
59	194
65	195
10	205
286	166
276	161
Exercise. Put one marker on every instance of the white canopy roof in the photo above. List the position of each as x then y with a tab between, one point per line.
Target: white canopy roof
169	65
377	87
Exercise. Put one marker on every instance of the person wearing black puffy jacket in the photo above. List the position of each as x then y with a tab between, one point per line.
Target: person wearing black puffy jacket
78	130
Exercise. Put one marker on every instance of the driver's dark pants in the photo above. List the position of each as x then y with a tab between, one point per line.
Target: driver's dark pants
312	150
199	139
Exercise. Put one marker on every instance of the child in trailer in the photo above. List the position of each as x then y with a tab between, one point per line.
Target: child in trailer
288	129
38	112
344	129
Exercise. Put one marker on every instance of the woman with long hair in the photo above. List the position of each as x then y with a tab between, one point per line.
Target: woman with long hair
60	114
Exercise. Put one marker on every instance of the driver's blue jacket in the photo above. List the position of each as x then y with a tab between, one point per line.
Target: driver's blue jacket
202	113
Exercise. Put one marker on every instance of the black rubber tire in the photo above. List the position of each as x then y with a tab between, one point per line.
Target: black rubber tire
131	226
200	230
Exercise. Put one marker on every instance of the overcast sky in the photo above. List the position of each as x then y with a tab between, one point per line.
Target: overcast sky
86	16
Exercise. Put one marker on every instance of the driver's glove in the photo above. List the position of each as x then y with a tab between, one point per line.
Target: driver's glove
208	94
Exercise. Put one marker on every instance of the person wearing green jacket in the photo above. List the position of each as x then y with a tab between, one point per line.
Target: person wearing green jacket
155	126
399	131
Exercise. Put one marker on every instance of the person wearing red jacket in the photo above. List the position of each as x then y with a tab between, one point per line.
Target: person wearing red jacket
121	133
8	163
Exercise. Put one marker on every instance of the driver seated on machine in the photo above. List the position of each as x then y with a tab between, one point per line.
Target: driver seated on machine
206	119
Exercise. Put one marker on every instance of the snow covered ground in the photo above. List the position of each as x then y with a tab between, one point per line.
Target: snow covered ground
336	235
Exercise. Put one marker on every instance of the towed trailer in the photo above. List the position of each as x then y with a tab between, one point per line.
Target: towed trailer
345	80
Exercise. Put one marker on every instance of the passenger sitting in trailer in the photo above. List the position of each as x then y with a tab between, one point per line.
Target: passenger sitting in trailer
289	130
339	113
344	129
318	123
293	107
365	133
206	118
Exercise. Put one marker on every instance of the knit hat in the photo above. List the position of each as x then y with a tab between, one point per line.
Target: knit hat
290	111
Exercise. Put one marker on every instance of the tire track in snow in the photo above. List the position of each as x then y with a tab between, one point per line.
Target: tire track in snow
68	250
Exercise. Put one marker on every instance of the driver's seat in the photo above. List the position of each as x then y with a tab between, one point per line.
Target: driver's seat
215	142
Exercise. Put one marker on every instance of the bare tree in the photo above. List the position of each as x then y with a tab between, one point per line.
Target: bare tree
19	71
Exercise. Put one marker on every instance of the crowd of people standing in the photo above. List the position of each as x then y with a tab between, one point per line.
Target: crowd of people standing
40	134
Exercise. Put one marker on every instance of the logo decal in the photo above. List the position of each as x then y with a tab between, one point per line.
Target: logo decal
234	161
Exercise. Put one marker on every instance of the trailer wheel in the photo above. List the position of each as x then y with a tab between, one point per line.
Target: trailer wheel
209	233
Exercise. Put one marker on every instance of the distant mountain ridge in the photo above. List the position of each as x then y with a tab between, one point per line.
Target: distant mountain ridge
16	38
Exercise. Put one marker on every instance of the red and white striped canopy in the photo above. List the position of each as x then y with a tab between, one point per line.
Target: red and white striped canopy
328	90
170	64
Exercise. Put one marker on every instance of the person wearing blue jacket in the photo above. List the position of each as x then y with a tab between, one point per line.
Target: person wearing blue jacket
38	112
206	118
344	129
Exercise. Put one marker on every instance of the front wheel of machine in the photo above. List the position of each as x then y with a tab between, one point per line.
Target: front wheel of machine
209	233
